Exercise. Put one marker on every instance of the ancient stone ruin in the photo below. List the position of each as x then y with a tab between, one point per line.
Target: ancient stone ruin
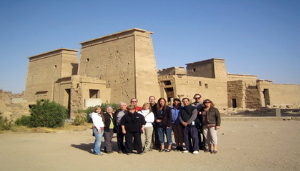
121	66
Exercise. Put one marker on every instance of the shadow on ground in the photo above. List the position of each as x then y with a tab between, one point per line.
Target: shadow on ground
88	147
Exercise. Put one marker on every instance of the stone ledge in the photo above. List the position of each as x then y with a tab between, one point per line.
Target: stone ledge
259	118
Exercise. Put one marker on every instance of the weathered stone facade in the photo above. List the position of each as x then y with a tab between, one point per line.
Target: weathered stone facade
210	79
278	94
44	71
186	86
13	106
126	61
53	76
122	66
207	77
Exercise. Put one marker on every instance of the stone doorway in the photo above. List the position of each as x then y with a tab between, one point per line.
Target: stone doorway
169	93
266	97
67	101
234	103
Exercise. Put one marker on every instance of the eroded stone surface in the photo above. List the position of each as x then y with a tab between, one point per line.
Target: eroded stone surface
121	66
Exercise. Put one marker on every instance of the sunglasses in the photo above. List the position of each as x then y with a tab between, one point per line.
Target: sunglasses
197	98
133	101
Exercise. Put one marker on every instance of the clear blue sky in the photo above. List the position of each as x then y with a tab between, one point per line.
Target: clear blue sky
256	37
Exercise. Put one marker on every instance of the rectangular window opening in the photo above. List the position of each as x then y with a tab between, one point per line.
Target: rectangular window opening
94	93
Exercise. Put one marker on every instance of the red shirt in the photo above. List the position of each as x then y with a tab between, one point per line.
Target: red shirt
138	108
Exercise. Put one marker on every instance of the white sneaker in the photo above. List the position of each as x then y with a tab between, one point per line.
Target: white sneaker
185	151
195	152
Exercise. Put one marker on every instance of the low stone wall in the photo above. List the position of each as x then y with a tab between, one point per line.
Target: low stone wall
12	106
8	95
259	118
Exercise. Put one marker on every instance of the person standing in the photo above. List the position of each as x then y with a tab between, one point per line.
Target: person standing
152	103
147	135
189	119
177	127
134	102
198	103
108	129
132	125
117	123
155	143
98	128
198	100
163	121
211	123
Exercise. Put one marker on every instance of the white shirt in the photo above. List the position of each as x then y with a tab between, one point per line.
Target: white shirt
149	117
97	120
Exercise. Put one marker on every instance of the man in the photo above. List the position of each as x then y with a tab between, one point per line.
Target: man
176	125
198	100
153	103
134	102
132	126
155	143
199	105
118	129
188	118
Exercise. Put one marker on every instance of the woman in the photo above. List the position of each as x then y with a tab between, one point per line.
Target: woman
211	121
163	122
177	127
108	129
98	129
147	135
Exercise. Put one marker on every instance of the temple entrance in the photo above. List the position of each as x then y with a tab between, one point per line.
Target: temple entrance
67	101
169	93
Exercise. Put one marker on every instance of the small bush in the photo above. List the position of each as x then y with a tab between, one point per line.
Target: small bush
80	119
5	124
113	105
24	120
47	114
84	113
87	112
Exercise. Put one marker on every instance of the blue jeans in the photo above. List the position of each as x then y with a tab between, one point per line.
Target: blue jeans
161	137
98	138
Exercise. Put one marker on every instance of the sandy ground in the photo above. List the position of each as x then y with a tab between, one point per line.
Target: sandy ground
243	145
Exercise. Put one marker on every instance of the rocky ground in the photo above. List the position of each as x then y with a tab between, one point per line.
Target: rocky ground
243	145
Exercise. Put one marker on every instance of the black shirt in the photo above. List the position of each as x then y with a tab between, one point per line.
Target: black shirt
154	109
133	122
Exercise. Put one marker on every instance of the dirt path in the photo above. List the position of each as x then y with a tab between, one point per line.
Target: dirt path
243	145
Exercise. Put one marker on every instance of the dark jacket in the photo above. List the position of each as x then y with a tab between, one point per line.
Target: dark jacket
154	109
213	116
186	114
107	121
116	126
133	122
165	116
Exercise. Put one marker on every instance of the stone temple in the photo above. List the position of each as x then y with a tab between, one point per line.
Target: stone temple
122	66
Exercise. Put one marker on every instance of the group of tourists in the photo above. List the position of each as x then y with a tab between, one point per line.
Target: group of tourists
194	125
